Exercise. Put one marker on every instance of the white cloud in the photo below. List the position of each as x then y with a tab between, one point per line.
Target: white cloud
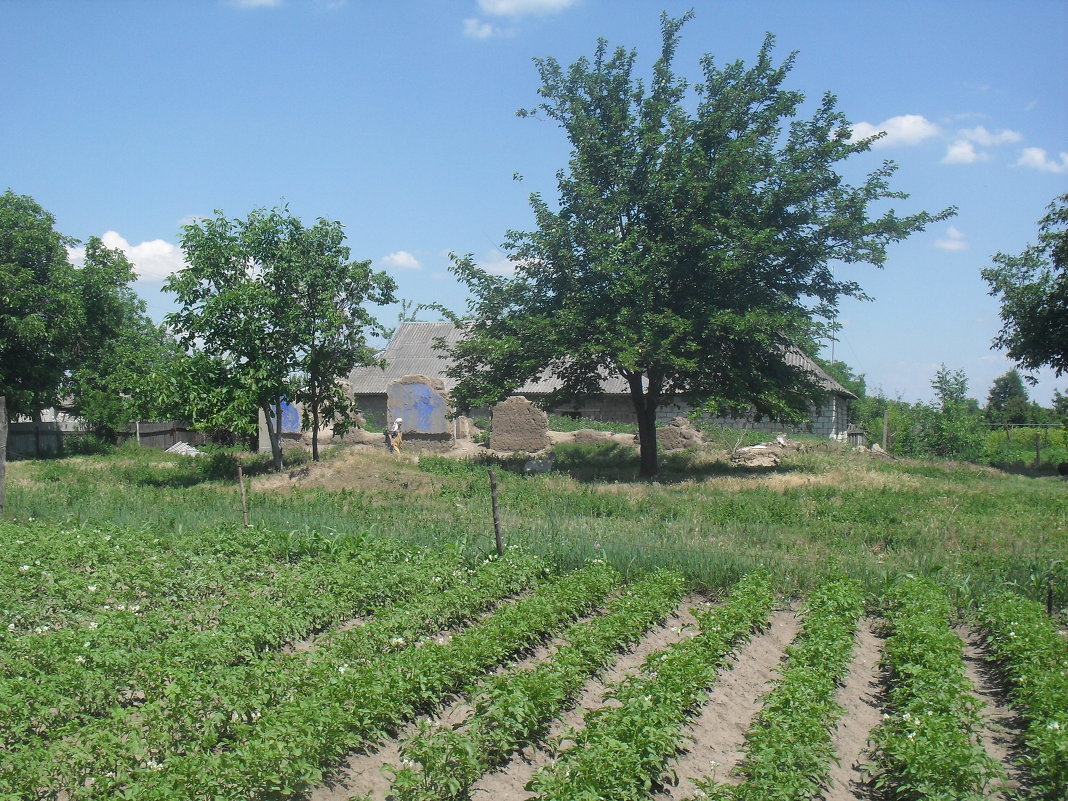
901	131
497	263
953	240
477	29
401	260
1036	158
516	8
154	260
963	152
981	136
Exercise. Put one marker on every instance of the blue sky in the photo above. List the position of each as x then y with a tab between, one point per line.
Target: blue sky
126	119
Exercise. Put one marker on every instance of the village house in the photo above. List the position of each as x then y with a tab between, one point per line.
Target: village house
411	351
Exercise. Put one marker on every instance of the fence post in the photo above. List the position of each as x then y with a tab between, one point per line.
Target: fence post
1038	448
496	514
244	497
3	448
886	430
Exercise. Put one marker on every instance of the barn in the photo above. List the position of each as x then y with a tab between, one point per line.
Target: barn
411	352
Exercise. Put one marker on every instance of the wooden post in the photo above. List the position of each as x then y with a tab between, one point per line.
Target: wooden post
1038	448
496	514
886	430
3	448
244	497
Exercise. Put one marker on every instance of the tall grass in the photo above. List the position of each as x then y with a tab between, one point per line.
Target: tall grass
976	529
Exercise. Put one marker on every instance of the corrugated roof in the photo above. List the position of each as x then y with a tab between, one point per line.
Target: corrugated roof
411	352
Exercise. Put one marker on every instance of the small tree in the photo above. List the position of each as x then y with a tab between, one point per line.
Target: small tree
263	299
691	247
332	324
952	428
1033	287
1007	401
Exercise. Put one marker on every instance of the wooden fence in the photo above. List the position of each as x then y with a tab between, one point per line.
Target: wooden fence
34	440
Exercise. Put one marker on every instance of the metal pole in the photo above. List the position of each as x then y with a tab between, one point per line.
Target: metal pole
496	514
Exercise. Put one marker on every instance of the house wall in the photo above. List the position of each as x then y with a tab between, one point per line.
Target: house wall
828	420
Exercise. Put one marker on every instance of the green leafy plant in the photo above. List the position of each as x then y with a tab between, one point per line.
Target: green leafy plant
927	745
623	749
788	749
1034	659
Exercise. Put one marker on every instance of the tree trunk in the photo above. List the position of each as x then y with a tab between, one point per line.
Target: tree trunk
315	430
274	434
645	405
3	449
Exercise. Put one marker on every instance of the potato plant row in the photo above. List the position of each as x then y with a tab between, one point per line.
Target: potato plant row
623	750
196	709
284	751
1034	659
71	675
516	707
927	745
789	747
66	573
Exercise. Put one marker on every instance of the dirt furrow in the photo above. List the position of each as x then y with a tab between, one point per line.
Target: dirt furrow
1001	725
365	772
507	784
858	698
719	729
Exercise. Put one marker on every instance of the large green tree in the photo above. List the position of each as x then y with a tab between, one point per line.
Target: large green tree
41	307
1033	287
271	309
692	243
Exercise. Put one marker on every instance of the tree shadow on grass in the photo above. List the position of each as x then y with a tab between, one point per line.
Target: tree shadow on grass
611	461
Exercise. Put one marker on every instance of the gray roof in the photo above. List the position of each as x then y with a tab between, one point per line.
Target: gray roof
411	352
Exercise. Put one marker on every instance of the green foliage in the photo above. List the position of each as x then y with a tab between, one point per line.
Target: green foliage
271	310
691	244
789	747
558	422
950	427
516	707
41	311
1034	658
1007	401
1033	289
124	359
927	745
623	749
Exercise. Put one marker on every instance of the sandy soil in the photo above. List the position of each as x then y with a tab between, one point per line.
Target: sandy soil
717	731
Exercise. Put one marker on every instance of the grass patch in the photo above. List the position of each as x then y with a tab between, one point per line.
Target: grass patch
975	528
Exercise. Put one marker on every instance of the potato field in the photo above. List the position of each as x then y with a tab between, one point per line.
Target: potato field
152	664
